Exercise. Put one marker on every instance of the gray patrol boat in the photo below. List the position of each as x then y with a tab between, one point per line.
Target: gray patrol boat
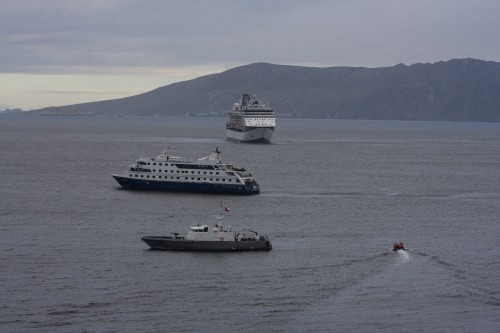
217	238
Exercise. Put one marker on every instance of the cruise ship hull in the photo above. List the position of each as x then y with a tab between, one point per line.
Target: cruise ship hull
169	243
253	135
200	187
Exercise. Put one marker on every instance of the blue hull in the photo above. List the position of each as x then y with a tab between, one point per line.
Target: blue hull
140	184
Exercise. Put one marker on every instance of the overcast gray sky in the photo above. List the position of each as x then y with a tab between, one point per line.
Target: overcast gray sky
57	52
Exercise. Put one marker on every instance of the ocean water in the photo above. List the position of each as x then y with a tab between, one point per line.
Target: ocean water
335	196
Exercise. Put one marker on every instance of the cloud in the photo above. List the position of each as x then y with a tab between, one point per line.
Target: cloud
105	36
42	36
165	41
84	92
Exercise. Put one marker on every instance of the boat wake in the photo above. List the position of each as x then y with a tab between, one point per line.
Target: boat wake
469	285
311	194
403	255
398	282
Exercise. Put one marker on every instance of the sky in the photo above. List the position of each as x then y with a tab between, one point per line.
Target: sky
60	52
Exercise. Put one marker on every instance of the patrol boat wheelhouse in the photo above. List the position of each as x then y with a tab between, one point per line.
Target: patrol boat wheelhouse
250	121
217	238
172	173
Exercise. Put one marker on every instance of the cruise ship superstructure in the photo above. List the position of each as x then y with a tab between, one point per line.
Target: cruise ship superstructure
250	121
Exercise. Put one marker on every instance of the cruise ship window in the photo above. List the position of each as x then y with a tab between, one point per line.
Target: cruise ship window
154	163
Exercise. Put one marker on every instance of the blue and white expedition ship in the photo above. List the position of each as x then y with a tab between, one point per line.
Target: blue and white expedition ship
250	121
172	173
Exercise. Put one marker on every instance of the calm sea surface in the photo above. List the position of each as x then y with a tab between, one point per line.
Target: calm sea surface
335	196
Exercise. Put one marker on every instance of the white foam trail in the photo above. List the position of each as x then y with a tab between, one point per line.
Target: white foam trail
404	255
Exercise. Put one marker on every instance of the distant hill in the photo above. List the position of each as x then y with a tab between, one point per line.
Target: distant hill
11	111
454	90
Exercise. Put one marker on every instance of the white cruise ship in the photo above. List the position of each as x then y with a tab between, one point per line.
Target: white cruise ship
250	121
171	173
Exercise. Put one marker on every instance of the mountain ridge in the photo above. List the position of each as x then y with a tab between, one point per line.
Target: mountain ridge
454	90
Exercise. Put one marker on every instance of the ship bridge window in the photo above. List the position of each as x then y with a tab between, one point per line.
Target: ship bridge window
195	166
